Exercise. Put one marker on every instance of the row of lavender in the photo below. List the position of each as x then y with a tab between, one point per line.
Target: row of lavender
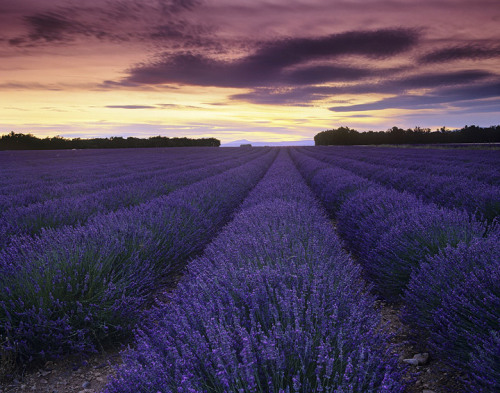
76	206
39	181
72	288
478	165
273	305
468	157
443	264
58	165
56	173
450	190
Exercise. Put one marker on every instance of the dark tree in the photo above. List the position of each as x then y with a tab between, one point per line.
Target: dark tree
417	135
15	141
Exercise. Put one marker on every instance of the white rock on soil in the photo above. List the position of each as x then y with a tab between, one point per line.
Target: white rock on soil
418	360
422	358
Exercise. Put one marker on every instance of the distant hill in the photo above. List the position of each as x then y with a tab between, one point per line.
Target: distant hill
305	142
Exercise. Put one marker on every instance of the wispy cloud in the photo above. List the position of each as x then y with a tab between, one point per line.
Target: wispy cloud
428	101
476	51
112	21
157	106
131	106
294	95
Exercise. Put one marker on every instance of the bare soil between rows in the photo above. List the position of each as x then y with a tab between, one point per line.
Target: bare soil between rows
433	377
73	374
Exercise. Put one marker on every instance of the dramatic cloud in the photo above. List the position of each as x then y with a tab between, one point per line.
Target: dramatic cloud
468	52
428	101
443	79
294	95
268	65
59	27
320	74
51	27
116	21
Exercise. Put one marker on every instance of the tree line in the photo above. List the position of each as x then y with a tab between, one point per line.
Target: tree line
15	141
417	135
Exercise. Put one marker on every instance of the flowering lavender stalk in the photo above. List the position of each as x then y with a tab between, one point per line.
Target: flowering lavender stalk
73	210
470	164
411	236
390	231
34	176
453	298
273	305
450	190
27	180
70	288
362	219
453	302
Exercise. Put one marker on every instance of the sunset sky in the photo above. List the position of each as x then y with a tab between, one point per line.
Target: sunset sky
275	70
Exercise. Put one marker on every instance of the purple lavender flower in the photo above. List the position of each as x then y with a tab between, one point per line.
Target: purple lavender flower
453	301
273	305
71	288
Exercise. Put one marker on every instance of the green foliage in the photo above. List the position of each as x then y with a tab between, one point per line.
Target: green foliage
15	141
396	135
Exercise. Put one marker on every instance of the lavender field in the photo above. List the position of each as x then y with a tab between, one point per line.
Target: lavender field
252	270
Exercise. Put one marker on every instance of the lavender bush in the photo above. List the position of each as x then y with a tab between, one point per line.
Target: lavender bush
453	302
448	190
334	186
470	164
71	288
453	297
390	231
411	236
273	305
362	219
73	210
34	176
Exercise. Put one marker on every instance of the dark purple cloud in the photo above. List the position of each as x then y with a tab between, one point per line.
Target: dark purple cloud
443	79
50	26
304	94
296	96
377	44
466	52
321	74
189	69
63	26
428	101
269	64
115	21
176	106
